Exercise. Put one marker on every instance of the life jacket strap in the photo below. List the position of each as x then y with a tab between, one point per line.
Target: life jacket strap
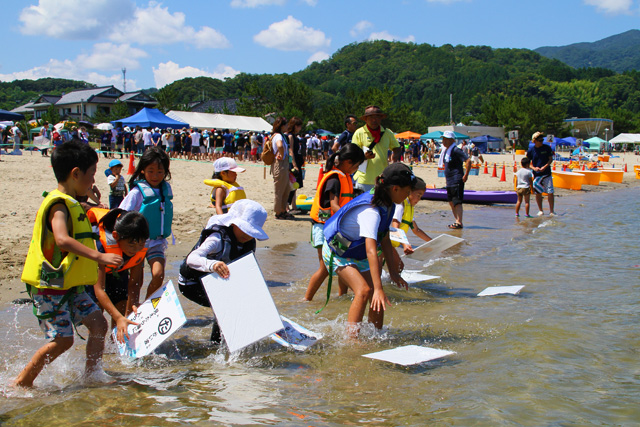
328	284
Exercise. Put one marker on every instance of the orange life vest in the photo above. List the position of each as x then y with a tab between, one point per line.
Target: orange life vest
110	244
320	214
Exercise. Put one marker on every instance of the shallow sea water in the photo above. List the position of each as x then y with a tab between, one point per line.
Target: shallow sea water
563	352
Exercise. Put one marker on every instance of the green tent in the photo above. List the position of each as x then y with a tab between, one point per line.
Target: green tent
594	143
437	135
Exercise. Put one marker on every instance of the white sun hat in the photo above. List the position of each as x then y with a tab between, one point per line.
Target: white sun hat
247	214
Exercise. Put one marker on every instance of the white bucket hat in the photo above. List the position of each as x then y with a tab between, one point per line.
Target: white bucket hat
247	214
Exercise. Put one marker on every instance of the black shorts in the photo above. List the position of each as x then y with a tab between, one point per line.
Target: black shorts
195	293
455	194
116	287
195	150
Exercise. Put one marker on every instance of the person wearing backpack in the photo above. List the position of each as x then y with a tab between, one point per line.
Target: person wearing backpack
279	168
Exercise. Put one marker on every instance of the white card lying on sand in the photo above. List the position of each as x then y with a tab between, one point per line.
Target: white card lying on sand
158	318
432	248
295	336
500	290
409	355
416	276
398	235
242	303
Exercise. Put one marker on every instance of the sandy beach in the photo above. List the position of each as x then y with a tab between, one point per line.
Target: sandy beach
24	179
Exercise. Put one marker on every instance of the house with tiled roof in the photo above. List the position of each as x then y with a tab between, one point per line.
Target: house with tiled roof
220	106
82	104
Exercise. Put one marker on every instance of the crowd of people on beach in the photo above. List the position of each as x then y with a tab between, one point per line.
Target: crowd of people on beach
365	190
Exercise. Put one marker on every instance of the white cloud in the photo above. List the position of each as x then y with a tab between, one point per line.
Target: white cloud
108	56
385	35
318	57
360	28
155	25
256	3
68	69
611	6
74	19
291	35
169	72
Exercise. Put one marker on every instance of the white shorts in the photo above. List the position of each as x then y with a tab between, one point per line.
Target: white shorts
317	235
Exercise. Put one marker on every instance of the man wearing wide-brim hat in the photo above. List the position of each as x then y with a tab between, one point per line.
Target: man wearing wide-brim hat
375	141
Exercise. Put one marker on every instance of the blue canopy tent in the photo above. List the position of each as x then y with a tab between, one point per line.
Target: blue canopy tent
9	116
482	142
569	141
151	118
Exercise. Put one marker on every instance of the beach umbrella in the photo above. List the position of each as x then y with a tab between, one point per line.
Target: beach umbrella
437	134
86	124
407	135
104	126
59	126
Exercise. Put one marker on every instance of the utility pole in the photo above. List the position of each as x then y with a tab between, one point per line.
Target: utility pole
451	108
124	79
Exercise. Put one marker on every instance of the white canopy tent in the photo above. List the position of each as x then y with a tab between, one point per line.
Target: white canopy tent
626	138
220	121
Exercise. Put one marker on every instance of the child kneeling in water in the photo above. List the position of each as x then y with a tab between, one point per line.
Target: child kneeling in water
118	287
225	238
353	236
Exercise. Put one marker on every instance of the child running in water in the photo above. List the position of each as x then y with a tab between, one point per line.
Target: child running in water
225	188
150	194
353	236
403	217
334	191
225	238
62	258
118	287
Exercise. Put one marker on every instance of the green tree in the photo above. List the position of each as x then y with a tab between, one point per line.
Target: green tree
51	115
167	99
119	111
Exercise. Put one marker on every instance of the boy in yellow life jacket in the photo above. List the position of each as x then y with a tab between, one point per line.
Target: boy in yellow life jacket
62	259
403	216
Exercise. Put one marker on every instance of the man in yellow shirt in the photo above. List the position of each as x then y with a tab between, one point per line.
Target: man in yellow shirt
375	141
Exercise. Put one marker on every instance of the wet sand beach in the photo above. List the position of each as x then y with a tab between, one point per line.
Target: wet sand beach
24	179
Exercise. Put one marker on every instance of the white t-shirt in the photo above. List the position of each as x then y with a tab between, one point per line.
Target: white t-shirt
146	137
195	139
361	221
397	214
524	177
278	137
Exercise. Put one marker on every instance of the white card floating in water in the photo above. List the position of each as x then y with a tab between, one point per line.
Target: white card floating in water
409	355
501	290
416	276
242	303
433	247
158	318
295	336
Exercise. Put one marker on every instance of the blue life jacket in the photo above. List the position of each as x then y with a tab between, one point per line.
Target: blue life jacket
345	248
157	209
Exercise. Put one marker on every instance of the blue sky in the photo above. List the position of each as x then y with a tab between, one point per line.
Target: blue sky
160	42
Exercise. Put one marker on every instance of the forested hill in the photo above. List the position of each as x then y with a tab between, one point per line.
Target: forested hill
19	92
619	53
516	88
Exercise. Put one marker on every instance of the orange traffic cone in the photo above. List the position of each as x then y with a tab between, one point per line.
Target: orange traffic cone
320	175
132	167
583	167
515	168
486	167
564	167
495	172
503	176
554	166
625	167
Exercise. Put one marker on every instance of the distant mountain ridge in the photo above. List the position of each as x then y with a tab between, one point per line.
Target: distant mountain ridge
619	53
